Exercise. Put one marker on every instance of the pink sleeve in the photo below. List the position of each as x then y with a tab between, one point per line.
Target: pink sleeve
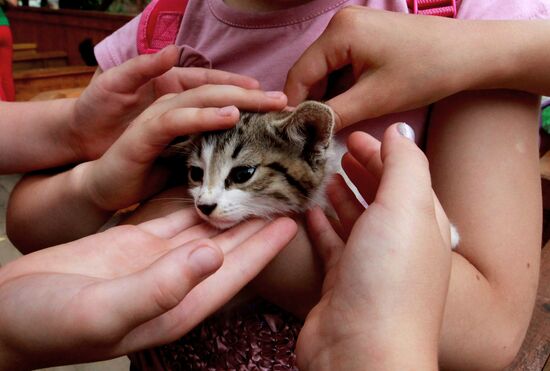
118	47
504	9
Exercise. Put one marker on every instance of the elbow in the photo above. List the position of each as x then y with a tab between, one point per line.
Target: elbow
507	345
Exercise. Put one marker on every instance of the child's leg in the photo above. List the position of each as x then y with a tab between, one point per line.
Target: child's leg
483	154
6	76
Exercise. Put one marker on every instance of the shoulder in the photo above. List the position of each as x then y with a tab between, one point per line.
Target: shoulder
504	9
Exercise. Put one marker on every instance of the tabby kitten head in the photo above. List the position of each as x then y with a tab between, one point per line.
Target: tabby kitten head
269	163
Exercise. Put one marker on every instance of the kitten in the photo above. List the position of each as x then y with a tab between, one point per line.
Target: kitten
269	163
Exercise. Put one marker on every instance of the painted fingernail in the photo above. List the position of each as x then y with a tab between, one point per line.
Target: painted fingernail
228	111
406	131
275	94
204	260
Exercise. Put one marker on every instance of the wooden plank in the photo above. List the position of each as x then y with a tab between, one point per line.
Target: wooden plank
62	29
33	82
535	352
31	59
23	48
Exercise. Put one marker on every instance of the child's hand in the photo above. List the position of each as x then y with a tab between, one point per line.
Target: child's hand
129	288
399	62
385	290
127	172
117	96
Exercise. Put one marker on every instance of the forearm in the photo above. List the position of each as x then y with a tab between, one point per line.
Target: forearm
36	135
46	210
501	55
392	350
483	154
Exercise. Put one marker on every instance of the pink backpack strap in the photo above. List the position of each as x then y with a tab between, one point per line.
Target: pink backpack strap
159	25
442	8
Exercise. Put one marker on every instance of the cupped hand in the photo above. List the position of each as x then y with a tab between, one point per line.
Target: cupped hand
117	96
399	62
128	172
387	268
126	289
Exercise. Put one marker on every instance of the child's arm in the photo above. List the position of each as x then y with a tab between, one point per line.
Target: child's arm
48	210
402	62
38	135
126	289
484	163
483	150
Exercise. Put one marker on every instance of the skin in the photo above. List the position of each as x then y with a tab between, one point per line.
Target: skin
495	204
46	210
494	272
74	130
400	244
126	289
380	46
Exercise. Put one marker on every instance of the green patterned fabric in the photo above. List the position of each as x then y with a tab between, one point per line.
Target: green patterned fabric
3	19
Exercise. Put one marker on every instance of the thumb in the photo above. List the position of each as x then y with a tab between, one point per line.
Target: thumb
130	301
327	54
406	172
131	75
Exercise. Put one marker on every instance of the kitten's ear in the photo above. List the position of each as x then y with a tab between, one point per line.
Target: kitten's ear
311	124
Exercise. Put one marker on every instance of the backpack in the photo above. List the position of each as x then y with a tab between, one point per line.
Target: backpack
160	21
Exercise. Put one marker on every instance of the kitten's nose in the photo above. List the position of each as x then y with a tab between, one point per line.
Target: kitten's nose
207	209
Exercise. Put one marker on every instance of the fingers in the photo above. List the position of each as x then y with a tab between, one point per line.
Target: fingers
234	237
131	75
370	96
144	141
127	302
193	77
364	172
226	95
326	241
240	265
406	169
328	53
346	205
170	225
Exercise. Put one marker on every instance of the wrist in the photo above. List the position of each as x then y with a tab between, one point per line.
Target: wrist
85	189
73	135
377	344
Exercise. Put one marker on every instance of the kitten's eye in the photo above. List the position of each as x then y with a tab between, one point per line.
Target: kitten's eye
241	174
196	173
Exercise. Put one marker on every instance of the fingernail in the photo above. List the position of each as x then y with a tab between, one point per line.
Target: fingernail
275	94
406	131
228	111
204	260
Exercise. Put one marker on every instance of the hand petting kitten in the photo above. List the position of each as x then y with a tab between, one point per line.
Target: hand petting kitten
116	97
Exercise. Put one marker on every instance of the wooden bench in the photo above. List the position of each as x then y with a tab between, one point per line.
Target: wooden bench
32	59
30	83
24	48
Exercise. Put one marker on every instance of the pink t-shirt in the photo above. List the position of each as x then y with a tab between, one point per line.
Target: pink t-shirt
266	45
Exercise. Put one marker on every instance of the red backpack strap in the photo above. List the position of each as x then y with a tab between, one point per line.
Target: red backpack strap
159	25
442	8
